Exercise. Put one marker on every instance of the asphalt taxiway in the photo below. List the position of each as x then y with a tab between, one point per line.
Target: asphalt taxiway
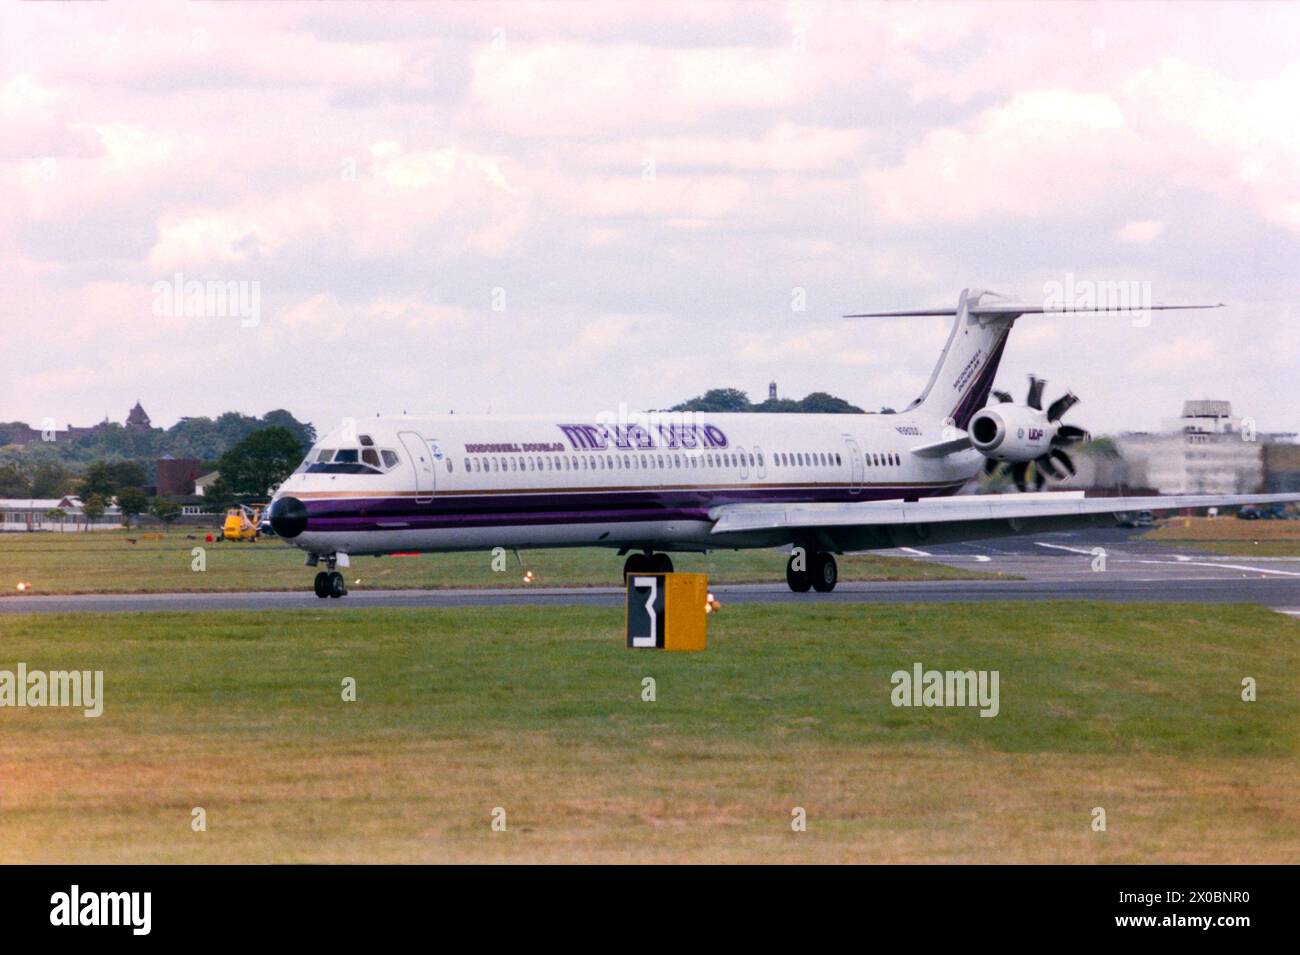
1096	564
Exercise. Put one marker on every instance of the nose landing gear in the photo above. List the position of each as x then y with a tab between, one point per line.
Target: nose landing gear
329	583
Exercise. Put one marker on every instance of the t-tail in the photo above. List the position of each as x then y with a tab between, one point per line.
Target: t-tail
961	381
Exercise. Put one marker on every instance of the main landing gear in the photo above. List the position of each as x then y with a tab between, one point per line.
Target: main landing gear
817	571
330	584
647	563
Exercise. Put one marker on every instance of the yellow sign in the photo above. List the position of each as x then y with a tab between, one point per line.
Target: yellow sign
667	611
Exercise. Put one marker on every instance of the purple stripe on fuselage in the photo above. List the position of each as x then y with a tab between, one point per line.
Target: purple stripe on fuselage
576	508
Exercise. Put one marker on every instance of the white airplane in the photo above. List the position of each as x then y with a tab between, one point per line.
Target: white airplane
648	485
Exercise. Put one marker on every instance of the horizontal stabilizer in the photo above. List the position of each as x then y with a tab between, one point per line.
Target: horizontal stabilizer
1014	309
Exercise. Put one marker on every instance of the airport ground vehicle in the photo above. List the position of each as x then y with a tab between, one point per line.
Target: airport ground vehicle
241	523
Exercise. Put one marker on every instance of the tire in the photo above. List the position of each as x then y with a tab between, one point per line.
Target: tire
800	581
661	564
322	584
635	564
338	586
825	573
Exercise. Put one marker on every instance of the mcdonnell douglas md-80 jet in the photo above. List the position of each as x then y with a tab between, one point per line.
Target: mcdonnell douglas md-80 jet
820	484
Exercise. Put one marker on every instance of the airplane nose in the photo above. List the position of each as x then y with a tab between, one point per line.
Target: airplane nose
288	516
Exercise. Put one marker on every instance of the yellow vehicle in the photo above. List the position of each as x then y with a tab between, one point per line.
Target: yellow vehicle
242	523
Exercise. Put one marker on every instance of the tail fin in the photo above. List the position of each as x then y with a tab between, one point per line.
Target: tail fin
960	383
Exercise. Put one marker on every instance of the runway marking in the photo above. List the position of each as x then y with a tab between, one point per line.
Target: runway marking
1203	563
918	553
1072	550
980	558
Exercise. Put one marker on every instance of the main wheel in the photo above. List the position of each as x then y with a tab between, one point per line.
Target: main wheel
799	580
338	587
825	573
635	564
661	564
322	584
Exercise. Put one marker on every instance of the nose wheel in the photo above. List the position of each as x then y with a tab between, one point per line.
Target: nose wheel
817	572
330	584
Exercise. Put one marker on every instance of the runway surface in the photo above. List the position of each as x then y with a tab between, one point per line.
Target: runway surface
1063	566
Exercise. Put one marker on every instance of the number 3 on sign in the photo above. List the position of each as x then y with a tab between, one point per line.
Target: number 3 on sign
651	585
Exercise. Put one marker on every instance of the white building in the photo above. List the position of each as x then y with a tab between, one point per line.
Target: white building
34	514
1207	451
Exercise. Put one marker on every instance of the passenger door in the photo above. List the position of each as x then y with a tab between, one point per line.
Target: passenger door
417	449
855	464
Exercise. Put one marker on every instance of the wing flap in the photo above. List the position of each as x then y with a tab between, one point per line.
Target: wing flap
735	518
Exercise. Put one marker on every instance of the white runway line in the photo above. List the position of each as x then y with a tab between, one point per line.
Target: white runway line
1072	550
915	552
1206	563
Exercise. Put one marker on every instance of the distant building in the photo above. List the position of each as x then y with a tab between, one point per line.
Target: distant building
201	484
33	514
176	476
25	434
771	391
1207	451
136	419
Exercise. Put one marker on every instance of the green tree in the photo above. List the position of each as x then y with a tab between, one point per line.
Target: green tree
97	482
717	399
56	514
50	479
218	496
111	478
132	502
13	483
165	509
260	462
93	509
819	402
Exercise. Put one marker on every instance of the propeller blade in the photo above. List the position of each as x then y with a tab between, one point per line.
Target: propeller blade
1002	396
1035	397
1061	405
1040	478
1063	459
1018	474
1045	466
1068	434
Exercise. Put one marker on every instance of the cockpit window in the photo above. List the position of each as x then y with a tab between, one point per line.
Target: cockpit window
366	460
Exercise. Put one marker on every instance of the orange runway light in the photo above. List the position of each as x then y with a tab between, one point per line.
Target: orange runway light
528	577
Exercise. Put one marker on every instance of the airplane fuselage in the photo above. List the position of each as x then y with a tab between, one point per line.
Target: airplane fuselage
468	482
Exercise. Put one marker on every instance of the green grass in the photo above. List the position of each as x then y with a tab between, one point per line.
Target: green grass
1230	536
1132	707
106	562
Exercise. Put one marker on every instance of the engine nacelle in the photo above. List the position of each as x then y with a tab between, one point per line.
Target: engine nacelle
1008	432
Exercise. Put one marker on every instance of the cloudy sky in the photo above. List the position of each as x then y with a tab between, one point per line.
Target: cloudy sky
516	207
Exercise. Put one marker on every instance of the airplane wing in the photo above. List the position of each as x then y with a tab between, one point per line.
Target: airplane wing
880	524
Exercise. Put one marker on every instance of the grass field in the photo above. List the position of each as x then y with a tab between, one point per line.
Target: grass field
106	562
1133	708
1230	536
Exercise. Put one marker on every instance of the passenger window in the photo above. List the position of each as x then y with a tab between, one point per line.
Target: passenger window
450	467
